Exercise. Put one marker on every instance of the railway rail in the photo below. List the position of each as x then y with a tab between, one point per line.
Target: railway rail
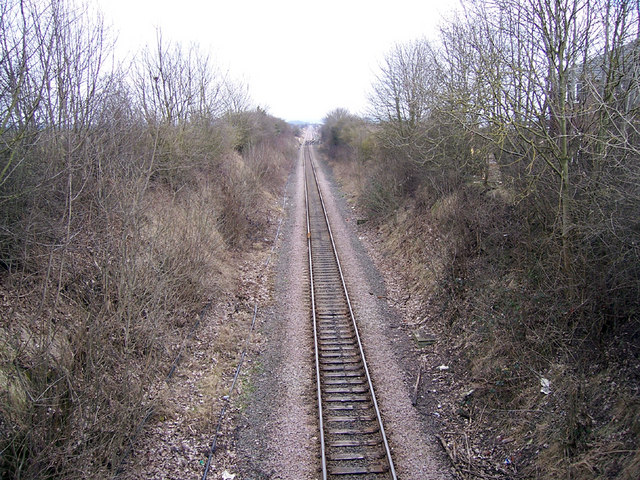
352	438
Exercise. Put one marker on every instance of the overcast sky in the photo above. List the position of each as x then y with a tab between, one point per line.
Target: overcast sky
300	59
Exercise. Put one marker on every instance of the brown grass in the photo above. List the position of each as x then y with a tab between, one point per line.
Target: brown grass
96	305
487	284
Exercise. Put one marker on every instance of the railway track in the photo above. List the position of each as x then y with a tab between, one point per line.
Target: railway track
352	437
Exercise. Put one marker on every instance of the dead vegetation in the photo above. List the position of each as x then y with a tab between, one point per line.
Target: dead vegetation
121	207
542	375
470	275
500	177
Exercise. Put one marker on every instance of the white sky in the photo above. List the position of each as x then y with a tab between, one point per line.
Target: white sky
300	59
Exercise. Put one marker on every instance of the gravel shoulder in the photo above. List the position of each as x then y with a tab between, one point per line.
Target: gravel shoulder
276	436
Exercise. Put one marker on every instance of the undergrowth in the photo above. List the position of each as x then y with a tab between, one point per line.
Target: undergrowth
94	308
510	318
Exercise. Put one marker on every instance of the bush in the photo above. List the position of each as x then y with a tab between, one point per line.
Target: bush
115	231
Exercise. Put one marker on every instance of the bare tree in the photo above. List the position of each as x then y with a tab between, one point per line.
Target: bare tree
525	58
24	72
176	84
401	99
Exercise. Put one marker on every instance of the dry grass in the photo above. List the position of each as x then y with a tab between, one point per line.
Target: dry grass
96	307
78	367
506	321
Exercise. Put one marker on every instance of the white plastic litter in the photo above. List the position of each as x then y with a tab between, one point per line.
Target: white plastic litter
546	386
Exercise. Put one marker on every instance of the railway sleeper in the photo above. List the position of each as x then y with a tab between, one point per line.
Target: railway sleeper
339	367
344	381
337	339
338	351
355	442
335	326
343	374
347	389
354	431
332	278
355	361
337	315
328	291
359	469
332	322
354	418
357	455
330	302
347	356
328	327
331	287
347	398
343	340
334	341
338	347
346	408
322	263
327	268
333	317
331	308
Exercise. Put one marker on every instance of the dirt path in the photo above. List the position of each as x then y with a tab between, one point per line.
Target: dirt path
276	434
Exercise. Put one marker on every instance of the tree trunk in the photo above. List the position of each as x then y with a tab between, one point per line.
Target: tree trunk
565	201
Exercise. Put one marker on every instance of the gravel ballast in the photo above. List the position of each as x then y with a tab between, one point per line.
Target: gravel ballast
276	435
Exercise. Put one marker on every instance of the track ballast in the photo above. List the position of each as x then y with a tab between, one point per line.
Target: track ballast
352	437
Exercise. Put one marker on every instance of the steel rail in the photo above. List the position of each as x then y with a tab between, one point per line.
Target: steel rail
387	450
323	455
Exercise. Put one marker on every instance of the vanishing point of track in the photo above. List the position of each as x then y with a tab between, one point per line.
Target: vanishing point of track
352	439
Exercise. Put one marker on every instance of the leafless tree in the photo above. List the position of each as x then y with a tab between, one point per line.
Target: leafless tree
25	68
401	98
525	61
177	84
